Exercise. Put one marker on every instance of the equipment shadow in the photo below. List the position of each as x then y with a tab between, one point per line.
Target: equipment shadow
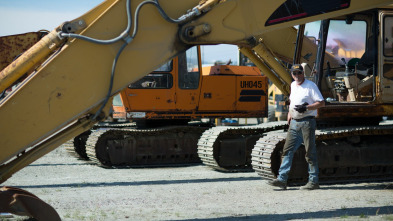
346	213
140	183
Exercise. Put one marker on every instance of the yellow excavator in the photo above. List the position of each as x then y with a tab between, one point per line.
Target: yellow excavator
69	88
354	142
352	68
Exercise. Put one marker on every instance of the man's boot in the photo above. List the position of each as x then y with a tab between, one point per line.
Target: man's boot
310	186
278	183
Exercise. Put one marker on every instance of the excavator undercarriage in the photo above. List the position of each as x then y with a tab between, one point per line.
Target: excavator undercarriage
228	149
345	154
135	147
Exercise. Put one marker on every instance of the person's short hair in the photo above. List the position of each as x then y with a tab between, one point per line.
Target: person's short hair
296	67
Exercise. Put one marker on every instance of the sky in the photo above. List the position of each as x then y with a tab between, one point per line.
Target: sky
21	16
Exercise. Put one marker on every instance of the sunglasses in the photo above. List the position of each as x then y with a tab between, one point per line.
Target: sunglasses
297	73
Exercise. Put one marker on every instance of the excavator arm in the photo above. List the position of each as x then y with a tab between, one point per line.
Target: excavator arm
72	83
75	69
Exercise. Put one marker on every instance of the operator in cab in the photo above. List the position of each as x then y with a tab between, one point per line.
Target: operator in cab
305	99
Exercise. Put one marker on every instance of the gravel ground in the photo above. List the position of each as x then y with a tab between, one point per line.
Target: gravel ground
81	191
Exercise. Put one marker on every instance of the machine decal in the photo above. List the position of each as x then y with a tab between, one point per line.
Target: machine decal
252	92
250	98
251	84
251	95
296	9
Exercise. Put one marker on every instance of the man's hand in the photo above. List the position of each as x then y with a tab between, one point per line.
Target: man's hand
301	108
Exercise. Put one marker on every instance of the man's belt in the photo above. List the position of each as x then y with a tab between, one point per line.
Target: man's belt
305	118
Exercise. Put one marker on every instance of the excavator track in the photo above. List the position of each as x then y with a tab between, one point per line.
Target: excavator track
345	154
77	146
228	149
114	147
70	148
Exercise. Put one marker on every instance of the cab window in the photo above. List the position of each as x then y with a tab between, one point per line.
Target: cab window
154	81
346	45
388	37
189	69
117	100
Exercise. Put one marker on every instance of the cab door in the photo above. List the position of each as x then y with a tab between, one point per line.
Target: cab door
386	57
188	80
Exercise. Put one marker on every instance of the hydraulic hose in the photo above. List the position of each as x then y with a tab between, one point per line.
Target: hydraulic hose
127	38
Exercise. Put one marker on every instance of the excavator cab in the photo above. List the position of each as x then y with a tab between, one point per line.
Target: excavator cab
385	62
350	71
350	78
165	89
181	90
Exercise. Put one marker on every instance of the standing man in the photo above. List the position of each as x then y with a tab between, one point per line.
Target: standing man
305	99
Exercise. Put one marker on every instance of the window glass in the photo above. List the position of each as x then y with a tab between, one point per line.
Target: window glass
311	31
388	37
117	100
153	81
346	41
309	49
388	71
189	69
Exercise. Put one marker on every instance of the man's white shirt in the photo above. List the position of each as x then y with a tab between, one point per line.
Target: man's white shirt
306	92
